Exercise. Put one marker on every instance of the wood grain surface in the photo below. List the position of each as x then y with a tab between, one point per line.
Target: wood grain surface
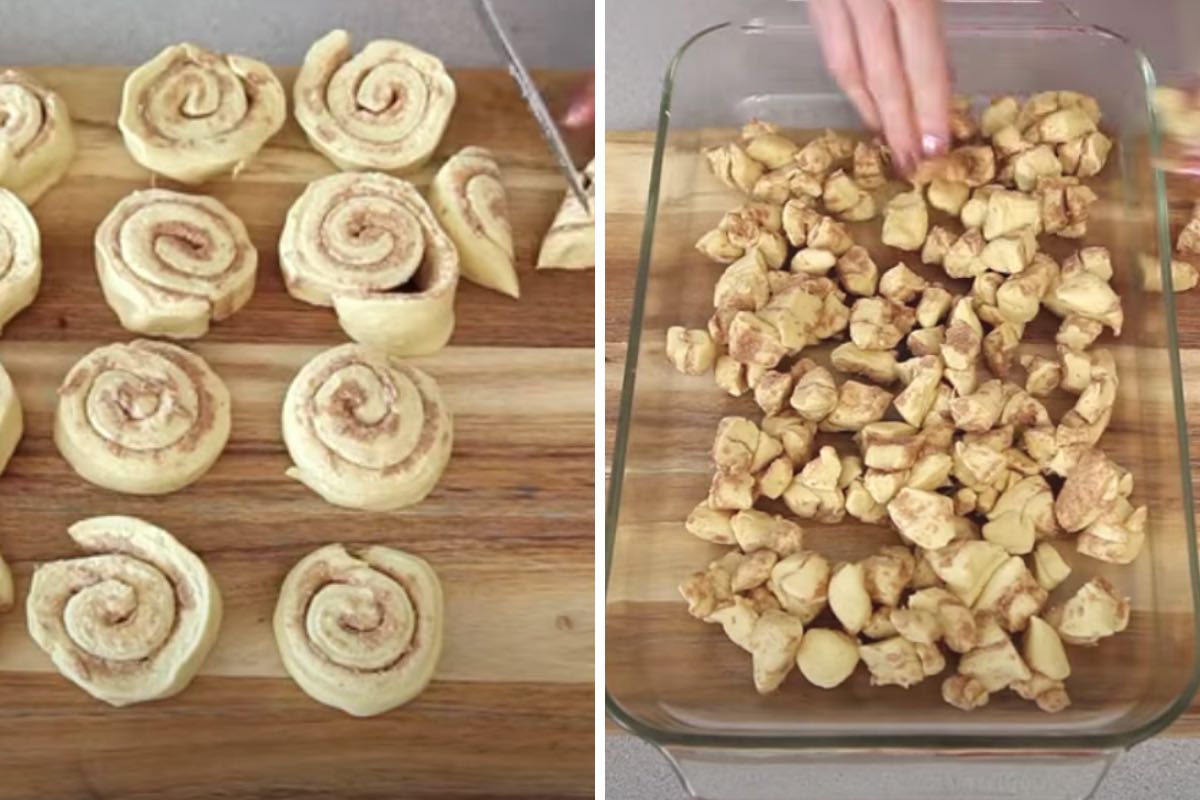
627	175
509	529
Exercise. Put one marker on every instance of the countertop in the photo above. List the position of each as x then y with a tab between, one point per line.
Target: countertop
641	39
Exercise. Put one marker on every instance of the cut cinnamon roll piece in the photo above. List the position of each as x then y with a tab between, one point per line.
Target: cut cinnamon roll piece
12	420
366	431
571	241
470	202
360	632
131	621
170	262
368	245
142	418
36	139
384	109
20	256
191	114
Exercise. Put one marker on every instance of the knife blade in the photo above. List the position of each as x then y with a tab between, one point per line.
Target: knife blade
537	105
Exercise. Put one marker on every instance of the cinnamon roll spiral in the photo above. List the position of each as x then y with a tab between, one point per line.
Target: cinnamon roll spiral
36	140
366	431
471	204
368	244
571	241
12	421
361	632
130	622
20	256
385	108
190	114
169	262
143	418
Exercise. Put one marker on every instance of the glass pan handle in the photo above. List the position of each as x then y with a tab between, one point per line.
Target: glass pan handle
714	774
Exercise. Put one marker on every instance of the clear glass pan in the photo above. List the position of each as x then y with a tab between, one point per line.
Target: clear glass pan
679	682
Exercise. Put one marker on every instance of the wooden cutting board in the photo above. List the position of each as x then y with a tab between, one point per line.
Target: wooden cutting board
509	529
627	175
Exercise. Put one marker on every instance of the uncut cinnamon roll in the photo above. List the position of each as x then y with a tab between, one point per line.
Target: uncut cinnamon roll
169	262
471	204
131	621
385	108
142	418
20	256
191	114
571	241
36	140
360	632
368	245
366	431
12	421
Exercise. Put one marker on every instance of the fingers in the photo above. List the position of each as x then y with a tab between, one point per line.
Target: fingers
840	48
887	81
582	110
918	27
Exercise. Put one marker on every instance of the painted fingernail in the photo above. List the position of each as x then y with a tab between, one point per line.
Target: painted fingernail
933	145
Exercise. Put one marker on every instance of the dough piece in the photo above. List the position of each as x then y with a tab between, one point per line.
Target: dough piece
169	262
571	241
130	622
36	140
385	108
20	256
12	421
191	114
366	431
143	418
361	632
470	203
368	244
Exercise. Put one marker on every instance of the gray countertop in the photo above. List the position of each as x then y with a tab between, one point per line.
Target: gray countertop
641	36
549	33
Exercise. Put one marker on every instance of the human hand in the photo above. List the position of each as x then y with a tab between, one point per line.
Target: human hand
581	112
889	56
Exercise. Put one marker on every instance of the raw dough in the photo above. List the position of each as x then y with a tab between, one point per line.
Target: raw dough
143	418
360	632
385	108
169	262
470	202
130	622
571	241
369	245
366	431
36	140
20	256
190	114
12	423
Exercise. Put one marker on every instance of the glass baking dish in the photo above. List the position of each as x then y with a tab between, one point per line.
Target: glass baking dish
680	683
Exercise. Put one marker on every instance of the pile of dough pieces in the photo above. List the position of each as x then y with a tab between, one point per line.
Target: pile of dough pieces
949	438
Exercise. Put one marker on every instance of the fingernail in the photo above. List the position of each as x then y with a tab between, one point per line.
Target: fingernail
576	116
933	145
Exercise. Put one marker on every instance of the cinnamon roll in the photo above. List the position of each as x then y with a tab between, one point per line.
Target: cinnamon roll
169	262
36	140
361	632
471	204
385	108
131	621
571	241
20	256
12	421
366	431
368	244
190	114
143	418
